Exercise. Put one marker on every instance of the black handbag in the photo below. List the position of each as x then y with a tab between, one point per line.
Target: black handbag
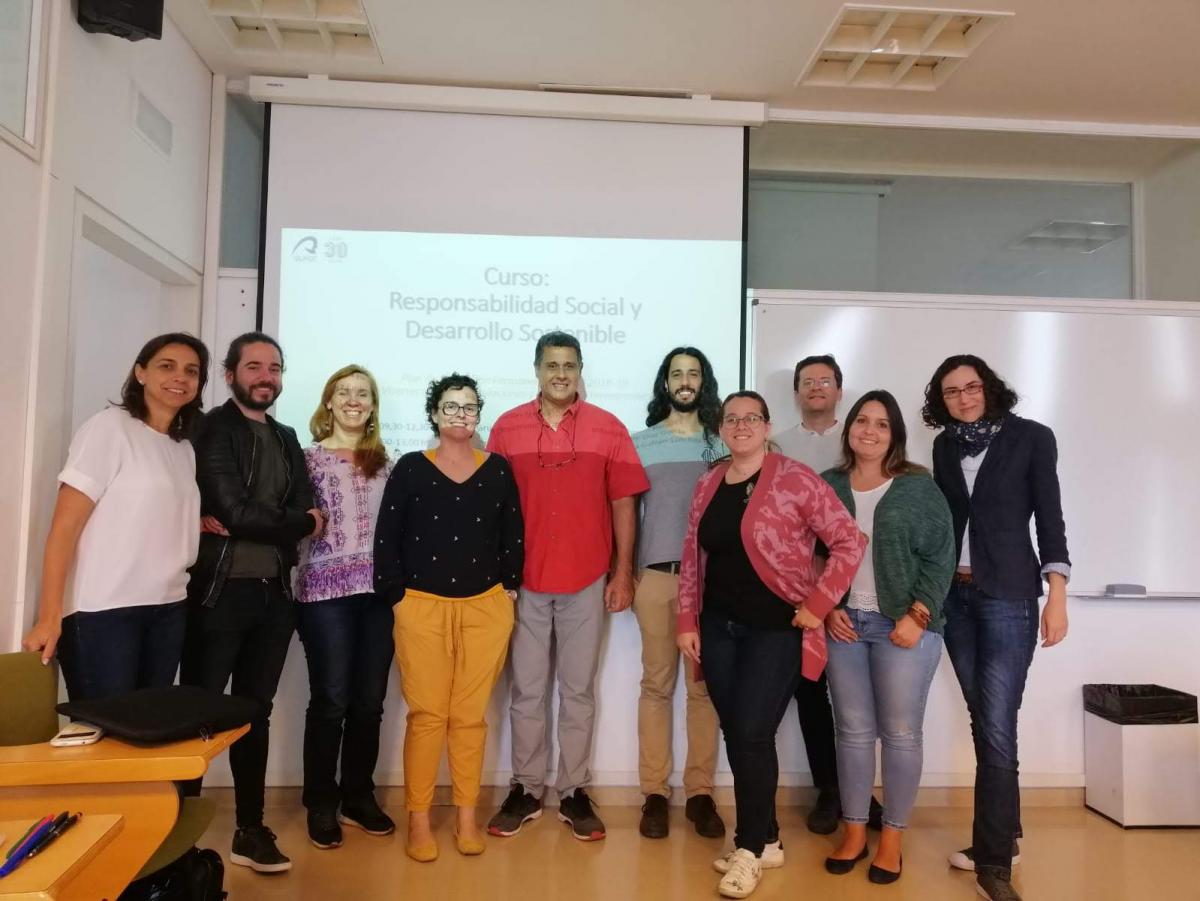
196	876
159	715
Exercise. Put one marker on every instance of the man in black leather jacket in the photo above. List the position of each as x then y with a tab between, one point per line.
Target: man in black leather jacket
257	504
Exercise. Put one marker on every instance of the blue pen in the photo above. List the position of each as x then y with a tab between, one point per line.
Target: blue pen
24	839
20	853
23	852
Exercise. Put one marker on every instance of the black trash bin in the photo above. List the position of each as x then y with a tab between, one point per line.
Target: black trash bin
1142	755
1139	705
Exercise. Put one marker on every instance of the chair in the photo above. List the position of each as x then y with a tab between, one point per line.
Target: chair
28	717
27	701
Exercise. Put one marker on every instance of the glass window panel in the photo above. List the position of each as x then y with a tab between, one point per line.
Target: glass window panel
241	196
16	36
921	211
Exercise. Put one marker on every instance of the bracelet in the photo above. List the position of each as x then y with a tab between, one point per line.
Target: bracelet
919	615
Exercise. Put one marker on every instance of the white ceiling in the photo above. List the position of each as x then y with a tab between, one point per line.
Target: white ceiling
1086	60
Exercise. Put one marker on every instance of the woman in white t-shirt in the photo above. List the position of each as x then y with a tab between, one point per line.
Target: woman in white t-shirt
125	530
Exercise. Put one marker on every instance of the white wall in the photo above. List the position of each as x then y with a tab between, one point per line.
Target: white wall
156	203
98	151
20	230
114	306
1171	223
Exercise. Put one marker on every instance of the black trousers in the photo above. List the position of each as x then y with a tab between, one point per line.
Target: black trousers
243	639
751	675
816	725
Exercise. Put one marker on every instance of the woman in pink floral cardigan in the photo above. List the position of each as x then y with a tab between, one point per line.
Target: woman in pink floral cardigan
751	607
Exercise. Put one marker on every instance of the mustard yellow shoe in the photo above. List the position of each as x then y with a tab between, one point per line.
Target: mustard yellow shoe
426	852
469	846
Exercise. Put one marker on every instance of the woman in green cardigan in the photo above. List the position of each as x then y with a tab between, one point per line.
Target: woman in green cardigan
886	633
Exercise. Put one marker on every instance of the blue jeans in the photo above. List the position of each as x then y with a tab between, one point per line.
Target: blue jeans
348	646
751	675
110	652
879	691
991	643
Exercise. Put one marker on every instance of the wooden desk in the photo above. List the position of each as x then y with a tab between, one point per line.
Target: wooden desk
42	877
109	777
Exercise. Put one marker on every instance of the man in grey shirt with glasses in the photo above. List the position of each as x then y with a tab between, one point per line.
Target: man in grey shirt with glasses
816	441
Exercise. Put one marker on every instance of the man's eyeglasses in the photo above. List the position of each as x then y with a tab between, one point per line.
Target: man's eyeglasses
555	464
971	389
471	411
751	419
817	383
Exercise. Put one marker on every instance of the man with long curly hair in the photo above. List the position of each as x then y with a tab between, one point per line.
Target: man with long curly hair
675	449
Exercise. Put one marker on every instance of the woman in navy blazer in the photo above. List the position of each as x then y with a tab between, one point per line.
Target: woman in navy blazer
997	471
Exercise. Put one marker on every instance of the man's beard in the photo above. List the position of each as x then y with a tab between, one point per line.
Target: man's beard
244	396
681	407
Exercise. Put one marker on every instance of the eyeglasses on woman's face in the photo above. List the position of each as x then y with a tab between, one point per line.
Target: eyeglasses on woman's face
971	389
452	408
750	419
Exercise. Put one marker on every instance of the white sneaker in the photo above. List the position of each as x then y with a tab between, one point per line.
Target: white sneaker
965	859
772	857
745	870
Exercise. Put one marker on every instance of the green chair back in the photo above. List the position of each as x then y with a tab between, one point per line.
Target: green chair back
195	815
28	693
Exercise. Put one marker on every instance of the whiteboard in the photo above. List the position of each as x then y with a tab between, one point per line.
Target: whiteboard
1117	381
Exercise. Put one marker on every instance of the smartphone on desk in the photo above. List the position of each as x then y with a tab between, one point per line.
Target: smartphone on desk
77	734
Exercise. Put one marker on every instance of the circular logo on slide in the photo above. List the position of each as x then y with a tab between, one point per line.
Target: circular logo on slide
305	249
308	250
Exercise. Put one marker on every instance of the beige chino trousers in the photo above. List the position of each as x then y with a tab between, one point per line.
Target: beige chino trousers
655	604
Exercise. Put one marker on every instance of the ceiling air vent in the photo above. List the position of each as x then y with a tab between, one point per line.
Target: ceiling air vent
896	48
337	28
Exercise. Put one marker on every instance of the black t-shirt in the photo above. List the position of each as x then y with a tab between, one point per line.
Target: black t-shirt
731	586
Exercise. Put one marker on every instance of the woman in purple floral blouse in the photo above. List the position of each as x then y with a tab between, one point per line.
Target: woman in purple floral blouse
345	627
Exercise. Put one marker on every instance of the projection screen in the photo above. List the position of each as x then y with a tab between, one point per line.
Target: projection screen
418	243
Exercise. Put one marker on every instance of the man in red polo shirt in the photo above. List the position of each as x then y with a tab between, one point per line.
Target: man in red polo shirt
578	474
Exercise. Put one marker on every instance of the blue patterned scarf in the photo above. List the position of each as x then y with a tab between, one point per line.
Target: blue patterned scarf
974	437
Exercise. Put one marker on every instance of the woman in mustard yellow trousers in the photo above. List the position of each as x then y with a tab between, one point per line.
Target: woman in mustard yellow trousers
448	555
